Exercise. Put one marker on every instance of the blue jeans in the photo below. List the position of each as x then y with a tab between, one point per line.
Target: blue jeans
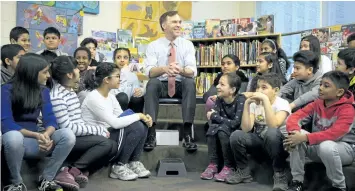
17	147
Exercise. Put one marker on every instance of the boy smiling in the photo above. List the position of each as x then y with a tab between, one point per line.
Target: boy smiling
332	140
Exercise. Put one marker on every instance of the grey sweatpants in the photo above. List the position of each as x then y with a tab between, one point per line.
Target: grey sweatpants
332	154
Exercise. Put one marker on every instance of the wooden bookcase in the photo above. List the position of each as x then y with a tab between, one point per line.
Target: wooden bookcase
209	52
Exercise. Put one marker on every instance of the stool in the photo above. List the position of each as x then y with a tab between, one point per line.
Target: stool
171	167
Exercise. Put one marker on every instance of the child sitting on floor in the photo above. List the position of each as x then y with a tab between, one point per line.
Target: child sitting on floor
224	118
304	87
262	125
332	140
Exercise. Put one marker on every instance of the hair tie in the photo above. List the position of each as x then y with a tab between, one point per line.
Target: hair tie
272	42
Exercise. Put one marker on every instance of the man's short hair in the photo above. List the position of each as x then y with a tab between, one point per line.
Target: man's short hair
164	16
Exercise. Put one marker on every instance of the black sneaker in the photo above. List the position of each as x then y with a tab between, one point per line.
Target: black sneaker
46	185
189	144
150	143
295	186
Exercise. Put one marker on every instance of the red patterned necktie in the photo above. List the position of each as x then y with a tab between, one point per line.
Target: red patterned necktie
171	79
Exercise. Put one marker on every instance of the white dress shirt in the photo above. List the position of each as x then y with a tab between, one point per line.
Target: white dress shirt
158	53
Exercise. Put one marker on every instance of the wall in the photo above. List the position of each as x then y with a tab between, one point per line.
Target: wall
110	17
8	20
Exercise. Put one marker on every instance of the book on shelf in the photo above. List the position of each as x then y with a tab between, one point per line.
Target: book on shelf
347	31
211	55
213	28
205	80
245	26
199	29
228	27
187	29
265	24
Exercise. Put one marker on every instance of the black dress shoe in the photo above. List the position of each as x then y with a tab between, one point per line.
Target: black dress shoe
150	143
189	144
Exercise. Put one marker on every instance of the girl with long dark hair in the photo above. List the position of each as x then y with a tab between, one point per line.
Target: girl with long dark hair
22	100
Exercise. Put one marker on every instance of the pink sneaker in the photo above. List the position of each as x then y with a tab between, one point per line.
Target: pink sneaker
79	177
66	180
221	176
210	171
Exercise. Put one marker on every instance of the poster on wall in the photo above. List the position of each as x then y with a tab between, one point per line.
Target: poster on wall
265	24
184	8
68	42
106	44
142	10
92	7
148	29
40	17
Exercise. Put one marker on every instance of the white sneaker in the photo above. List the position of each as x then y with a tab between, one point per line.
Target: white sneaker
138	168
122	172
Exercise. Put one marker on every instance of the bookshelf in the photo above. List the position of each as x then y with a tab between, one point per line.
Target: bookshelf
210	51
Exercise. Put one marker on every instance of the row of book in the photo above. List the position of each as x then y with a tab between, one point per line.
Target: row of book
205	80
211	55
212	28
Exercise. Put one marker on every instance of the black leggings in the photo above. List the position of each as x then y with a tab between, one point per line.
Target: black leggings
218	147
132	141
135	103
92	152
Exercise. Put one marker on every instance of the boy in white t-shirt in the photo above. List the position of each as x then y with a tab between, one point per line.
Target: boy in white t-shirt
263	122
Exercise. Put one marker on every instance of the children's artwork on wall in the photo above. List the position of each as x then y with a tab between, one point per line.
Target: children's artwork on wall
68	42
148	29
40	17
106	43
92	7
124	38
143	10
184	8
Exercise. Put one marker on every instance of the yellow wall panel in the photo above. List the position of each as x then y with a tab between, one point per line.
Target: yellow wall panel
184	8
149	29
143	10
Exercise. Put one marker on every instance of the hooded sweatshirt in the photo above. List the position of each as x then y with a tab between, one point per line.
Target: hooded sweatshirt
6	74
213	90
300	92
328	123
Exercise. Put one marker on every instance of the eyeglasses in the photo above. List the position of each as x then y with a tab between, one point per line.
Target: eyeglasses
117	76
